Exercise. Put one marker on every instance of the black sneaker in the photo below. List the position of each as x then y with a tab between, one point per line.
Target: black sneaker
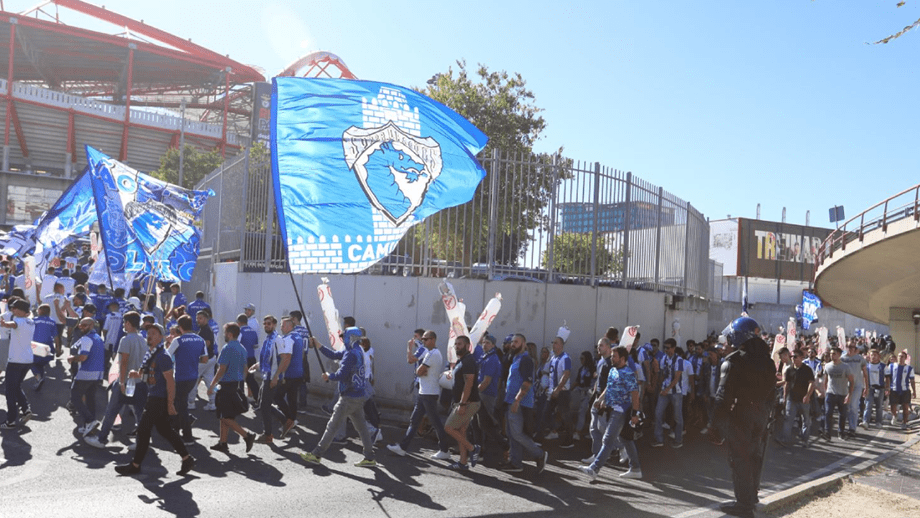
567	445
221	446
250	439
24	418
127	469
511	468
187	464
8	426
188	441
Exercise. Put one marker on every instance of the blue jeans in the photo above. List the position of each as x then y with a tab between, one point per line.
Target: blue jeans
676	401
79	390
117	401
16	401
875	397
598	429
518	440
792	409
853	412
612	440
832	401
426	405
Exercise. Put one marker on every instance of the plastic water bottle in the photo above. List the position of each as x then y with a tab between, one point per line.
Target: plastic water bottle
129	388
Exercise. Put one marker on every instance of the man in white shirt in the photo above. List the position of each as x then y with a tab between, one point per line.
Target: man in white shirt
20	361
429	372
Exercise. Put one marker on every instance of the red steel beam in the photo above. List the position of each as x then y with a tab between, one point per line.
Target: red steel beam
127	123
9	85
71	133
223	133
20	136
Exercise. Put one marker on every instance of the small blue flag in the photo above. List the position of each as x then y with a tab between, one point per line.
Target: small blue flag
810	306
355	164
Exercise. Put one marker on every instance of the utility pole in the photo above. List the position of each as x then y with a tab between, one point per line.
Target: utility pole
182	142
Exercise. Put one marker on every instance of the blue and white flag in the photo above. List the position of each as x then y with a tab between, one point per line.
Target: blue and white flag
146	225
355	164
810	306
18	241
71	216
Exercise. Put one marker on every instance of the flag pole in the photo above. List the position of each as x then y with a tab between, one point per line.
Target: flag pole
304	315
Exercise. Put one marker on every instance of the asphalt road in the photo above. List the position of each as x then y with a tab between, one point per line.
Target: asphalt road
47	470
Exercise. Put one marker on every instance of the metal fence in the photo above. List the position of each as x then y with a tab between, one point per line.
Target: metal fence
533	218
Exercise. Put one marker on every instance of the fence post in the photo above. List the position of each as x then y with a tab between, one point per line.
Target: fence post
270	222
550	252
220	223
493	212
627	223
658	241
687	250
244	202
597	208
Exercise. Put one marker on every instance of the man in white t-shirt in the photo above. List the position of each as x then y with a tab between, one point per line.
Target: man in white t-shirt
429	372
60	310
20	361
46	285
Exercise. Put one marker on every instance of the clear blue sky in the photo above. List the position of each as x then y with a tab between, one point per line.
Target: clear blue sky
725	104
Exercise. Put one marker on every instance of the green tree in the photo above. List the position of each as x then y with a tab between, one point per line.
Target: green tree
501	105
572	255
196	166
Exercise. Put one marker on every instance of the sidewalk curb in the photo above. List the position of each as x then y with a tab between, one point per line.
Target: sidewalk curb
793	494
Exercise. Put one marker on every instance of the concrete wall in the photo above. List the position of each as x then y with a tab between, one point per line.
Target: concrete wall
774	315
390	308
905	333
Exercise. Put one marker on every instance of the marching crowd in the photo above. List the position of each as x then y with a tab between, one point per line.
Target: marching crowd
150	349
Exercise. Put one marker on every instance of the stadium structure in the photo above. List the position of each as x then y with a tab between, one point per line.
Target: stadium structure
133	93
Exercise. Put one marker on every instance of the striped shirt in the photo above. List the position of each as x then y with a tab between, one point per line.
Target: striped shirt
900	376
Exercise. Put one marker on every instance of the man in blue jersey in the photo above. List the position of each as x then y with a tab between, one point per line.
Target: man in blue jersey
519	399
177	300
91	357
598	424
273	362
899	382
45	333
289	388
189	351
490	370
157	371
560	399
297	317
249	339
228	384
671	376
876	390
197	305
352	394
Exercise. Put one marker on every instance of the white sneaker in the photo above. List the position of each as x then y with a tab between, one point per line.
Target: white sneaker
397	449
552	435
441	455
589	460
865	425
132	446
589	473
705	430
666	426
672	435
379	436
94	441
632	474
576	437
624	458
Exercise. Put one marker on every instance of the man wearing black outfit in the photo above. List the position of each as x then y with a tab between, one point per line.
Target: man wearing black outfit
157	371
743	404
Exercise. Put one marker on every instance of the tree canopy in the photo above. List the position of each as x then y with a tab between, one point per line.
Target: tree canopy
196	166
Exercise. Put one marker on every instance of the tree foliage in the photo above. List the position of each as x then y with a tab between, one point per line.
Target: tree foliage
197	165
572	255
501	105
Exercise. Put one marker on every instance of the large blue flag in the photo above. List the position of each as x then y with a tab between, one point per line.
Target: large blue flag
146	225
356	163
